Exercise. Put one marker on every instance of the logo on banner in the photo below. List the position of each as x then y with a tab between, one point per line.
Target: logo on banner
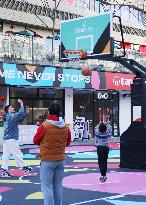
117	81
102	96
84	28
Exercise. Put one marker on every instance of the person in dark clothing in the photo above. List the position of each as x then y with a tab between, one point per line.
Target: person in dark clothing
103	133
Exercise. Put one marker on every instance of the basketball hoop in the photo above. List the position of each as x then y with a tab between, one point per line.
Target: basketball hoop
75	55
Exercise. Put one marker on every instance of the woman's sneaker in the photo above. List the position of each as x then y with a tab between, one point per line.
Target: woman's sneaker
27	170
4	173
101	178
104	179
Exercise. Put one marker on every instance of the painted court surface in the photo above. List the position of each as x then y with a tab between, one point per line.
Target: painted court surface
81	185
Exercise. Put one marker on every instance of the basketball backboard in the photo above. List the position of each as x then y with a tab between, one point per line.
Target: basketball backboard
92	34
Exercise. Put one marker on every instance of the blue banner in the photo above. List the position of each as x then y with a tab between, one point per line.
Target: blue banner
48	76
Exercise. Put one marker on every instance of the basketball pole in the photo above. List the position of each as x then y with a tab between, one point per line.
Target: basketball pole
53	22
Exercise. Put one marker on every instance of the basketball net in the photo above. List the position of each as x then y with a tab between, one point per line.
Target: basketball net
75	56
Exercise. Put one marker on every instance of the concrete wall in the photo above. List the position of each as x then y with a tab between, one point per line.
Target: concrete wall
136	3
124	112
129	37
1	135
26	134
16	28
32	21
69	106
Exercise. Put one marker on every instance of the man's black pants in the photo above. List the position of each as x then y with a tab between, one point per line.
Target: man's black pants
102	153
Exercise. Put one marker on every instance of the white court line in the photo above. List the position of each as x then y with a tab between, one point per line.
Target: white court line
90	184
21	178
110	197
0	198
36	183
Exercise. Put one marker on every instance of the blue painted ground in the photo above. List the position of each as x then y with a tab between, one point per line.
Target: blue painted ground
93	155
70	196
25	156
118	202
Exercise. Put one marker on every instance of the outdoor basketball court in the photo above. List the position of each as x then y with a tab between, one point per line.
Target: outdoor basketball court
81	184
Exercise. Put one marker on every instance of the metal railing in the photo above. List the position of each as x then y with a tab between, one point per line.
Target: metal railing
35	50
17	48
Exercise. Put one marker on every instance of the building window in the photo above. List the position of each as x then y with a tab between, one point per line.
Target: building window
83	106
50	93
125	13
38	100
97	106
106	109
134	15
104	8
97	6
16	92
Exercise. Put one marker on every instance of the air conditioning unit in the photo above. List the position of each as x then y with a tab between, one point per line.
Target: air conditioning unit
15	6
26	4
2	2
34	9
7	2
20	7
39	10
11	4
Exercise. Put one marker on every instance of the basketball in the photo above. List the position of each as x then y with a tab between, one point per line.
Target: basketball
86	71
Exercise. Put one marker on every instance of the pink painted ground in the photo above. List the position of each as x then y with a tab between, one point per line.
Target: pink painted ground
72	149
120	183
80	148
75	149
19	173
114	145
5	189
32	151
92	165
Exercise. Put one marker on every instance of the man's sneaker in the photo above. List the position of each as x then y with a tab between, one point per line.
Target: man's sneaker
4	173
27	170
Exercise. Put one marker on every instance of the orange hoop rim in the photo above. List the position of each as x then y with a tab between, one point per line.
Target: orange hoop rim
82	53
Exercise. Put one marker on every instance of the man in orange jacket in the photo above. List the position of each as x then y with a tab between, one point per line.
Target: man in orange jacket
53	136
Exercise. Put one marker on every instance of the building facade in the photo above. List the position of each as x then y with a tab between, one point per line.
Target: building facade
25	71
36	17
101	96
